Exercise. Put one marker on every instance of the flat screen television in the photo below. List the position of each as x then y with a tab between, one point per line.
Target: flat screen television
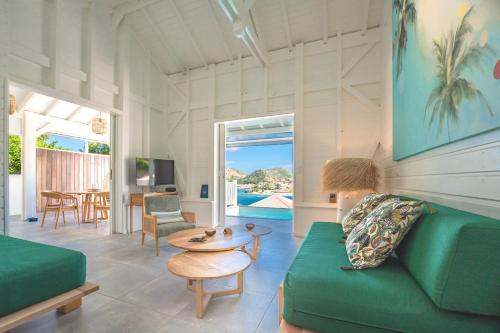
154	172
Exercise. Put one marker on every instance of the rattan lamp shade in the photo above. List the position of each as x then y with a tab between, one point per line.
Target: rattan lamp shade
351	178
349	174
99	125
12	104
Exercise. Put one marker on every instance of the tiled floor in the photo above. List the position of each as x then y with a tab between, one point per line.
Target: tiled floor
138	294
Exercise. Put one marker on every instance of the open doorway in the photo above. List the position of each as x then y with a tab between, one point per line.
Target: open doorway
259	170
59	167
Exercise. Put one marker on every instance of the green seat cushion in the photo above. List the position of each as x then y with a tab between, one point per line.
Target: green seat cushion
166	229
318	294
32	272
455	257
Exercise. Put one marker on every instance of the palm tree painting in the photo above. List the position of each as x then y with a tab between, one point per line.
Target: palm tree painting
406	14
445	72
453	55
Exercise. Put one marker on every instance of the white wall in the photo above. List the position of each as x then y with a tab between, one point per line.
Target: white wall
4	130
303	82
69	50
463	175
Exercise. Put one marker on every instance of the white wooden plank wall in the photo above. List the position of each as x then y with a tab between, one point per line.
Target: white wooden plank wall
244	90
67	49
4	41
463	175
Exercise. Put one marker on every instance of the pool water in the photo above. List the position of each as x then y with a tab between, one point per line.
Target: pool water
246	199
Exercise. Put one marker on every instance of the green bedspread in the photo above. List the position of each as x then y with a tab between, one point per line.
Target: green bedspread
33	272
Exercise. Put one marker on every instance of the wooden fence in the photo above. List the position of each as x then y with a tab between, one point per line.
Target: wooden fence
67	171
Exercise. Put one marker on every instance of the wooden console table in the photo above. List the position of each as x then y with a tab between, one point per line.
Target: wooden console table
137	200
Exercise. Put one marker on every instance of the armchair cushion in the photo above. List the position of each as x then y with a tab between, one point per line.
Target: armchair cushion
168	217
166	229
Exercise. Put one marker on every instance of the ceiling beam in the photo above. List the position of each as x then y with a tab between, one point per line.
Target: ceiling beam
227	50
162	38
120	11
243	28
286	23
74	114
365	12
258	131
188	32
26	99
324	7
51	107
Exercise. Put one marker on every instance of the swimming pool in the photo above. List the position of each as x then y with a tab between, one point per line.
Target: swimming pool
246	199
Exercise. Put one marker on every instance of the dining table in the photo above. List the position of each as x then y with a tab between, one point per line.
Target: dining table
86	198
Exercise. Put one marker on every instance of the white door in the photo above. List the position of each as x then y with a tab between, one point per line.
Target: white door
221	175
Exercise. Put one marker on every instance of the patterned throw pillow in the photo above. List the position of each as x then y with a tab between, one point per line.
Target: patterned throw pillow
373	240
362	209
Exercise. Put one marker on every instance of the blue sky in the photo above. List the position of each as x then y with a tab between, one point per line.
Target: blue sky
67	142
251	158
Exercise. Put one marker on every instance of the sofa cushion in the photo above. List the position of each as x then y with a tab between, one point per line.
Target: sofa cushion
386	297
374	238
362	209
455	257
32	272
166	229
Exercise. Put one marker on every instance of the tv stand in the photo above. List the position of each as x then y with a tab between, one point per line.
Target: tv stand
137	200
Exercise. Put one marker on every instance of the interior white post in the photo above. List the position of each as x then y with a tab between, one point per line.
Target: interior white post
4	115
29	165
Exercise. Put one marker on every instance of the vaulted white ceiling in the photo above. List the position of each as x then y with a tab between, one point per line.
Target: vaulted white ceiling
185	34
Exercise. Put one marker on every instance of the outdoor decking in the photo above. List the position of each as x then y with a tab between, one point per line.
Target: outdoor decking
137	294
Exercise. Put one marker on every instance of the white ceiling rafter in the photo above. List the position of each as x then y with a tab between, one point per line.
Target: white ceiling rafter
74	114
51	107
188	33
162	39
238	15
227	49
324	14
120	11
256	22
286	23
26	99
366	12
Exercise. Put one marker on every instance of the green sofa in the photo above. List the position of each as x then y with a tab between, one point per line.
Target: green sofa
444	277
32	272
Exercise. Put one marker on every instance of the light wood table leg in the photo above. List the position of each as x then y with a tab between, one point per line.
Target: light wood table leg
255	249
203	298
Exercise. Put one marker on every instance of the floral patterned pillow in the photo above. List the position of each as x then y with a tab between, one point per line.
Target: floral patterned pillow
362	209
373	240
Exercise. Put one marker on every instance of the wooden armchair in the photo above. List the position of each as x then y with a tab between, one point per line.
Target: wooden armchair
162	217
58	203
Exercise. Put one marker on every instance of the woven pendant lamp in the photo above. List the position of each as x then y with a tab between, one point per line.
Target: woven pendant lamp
99	125
351	178
12	104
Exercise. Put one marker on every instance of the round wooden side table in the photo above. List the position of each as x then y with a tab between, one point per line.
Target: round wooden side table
197	267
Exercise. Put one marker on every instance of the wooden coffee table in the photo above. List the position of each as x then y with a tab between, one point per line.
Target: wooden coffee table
217	242
256	233
199	266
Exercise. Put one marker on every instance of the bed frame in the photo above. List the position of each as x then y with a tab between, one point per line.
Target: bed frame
63	303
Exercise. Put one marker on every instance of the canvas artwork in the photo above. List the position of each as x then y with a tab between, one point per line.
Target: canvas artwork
446	72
